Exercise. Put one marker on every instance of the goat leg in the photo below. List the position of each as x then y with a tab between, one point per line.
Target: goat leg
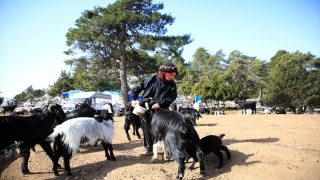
220	157
137	132
181	168
67	157
200	157
126	129
108	146
127	133
166	155
58	150
224	148
96	143
24	163
155	152
55	164
191	167
134	130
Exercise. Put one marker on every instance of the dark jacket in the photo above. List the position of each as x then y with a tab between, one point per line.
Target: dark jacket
164	93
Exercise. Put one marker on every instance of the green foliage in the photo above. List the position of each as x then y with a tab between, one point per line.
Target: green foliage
29	93
292	80
186	86
244	72
215	89
205	65
63	84
202	89
228	92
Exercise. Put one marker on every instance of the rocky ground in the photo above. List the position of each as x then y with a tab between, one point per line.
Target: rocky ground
264	147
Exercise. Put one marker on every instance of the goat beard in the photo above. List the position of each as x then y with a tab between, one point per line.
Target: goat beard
162	75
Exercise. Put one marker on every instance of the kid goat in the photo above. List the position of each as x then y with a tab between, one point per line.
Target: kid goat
131	119
212	143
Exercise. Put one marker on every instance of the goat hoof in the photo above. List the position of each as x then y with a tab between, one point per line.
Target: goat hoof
129	139
202	172
111	158
179	177
56	173
25	172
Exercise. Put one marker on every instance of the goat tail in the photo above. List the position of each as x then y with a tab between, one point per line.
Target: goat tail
221	136
53	135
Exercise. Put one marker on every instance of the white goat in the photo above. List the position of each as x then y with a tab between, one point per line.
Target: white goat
69	135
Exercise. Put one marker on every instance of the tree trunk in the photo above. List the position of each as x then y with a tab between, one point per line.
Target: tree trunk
124	84
260	96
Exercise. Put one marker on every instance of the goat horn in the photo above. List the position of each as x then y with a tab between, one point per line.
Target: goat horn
50	108
43	107
147	105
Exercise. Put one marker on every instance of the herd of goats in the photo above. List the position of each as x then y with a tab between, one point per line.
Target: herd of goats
60	134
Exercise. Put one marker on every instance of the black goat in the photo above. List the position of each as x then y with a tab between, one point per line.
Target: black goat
280	111
172	128
81	110
205	110
8	108
32	129
247	105
213	144
11	153
194	113
190	116
193	146
131	119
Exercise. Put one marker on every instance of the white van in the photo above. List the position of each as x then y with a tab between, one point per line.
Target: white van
95	99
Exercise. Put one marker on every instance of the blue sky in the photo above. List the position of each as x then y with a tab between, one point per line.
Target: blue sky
32	32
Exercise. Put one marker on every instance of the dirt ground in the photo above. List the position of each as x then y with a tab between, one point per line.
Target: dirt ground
267	147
